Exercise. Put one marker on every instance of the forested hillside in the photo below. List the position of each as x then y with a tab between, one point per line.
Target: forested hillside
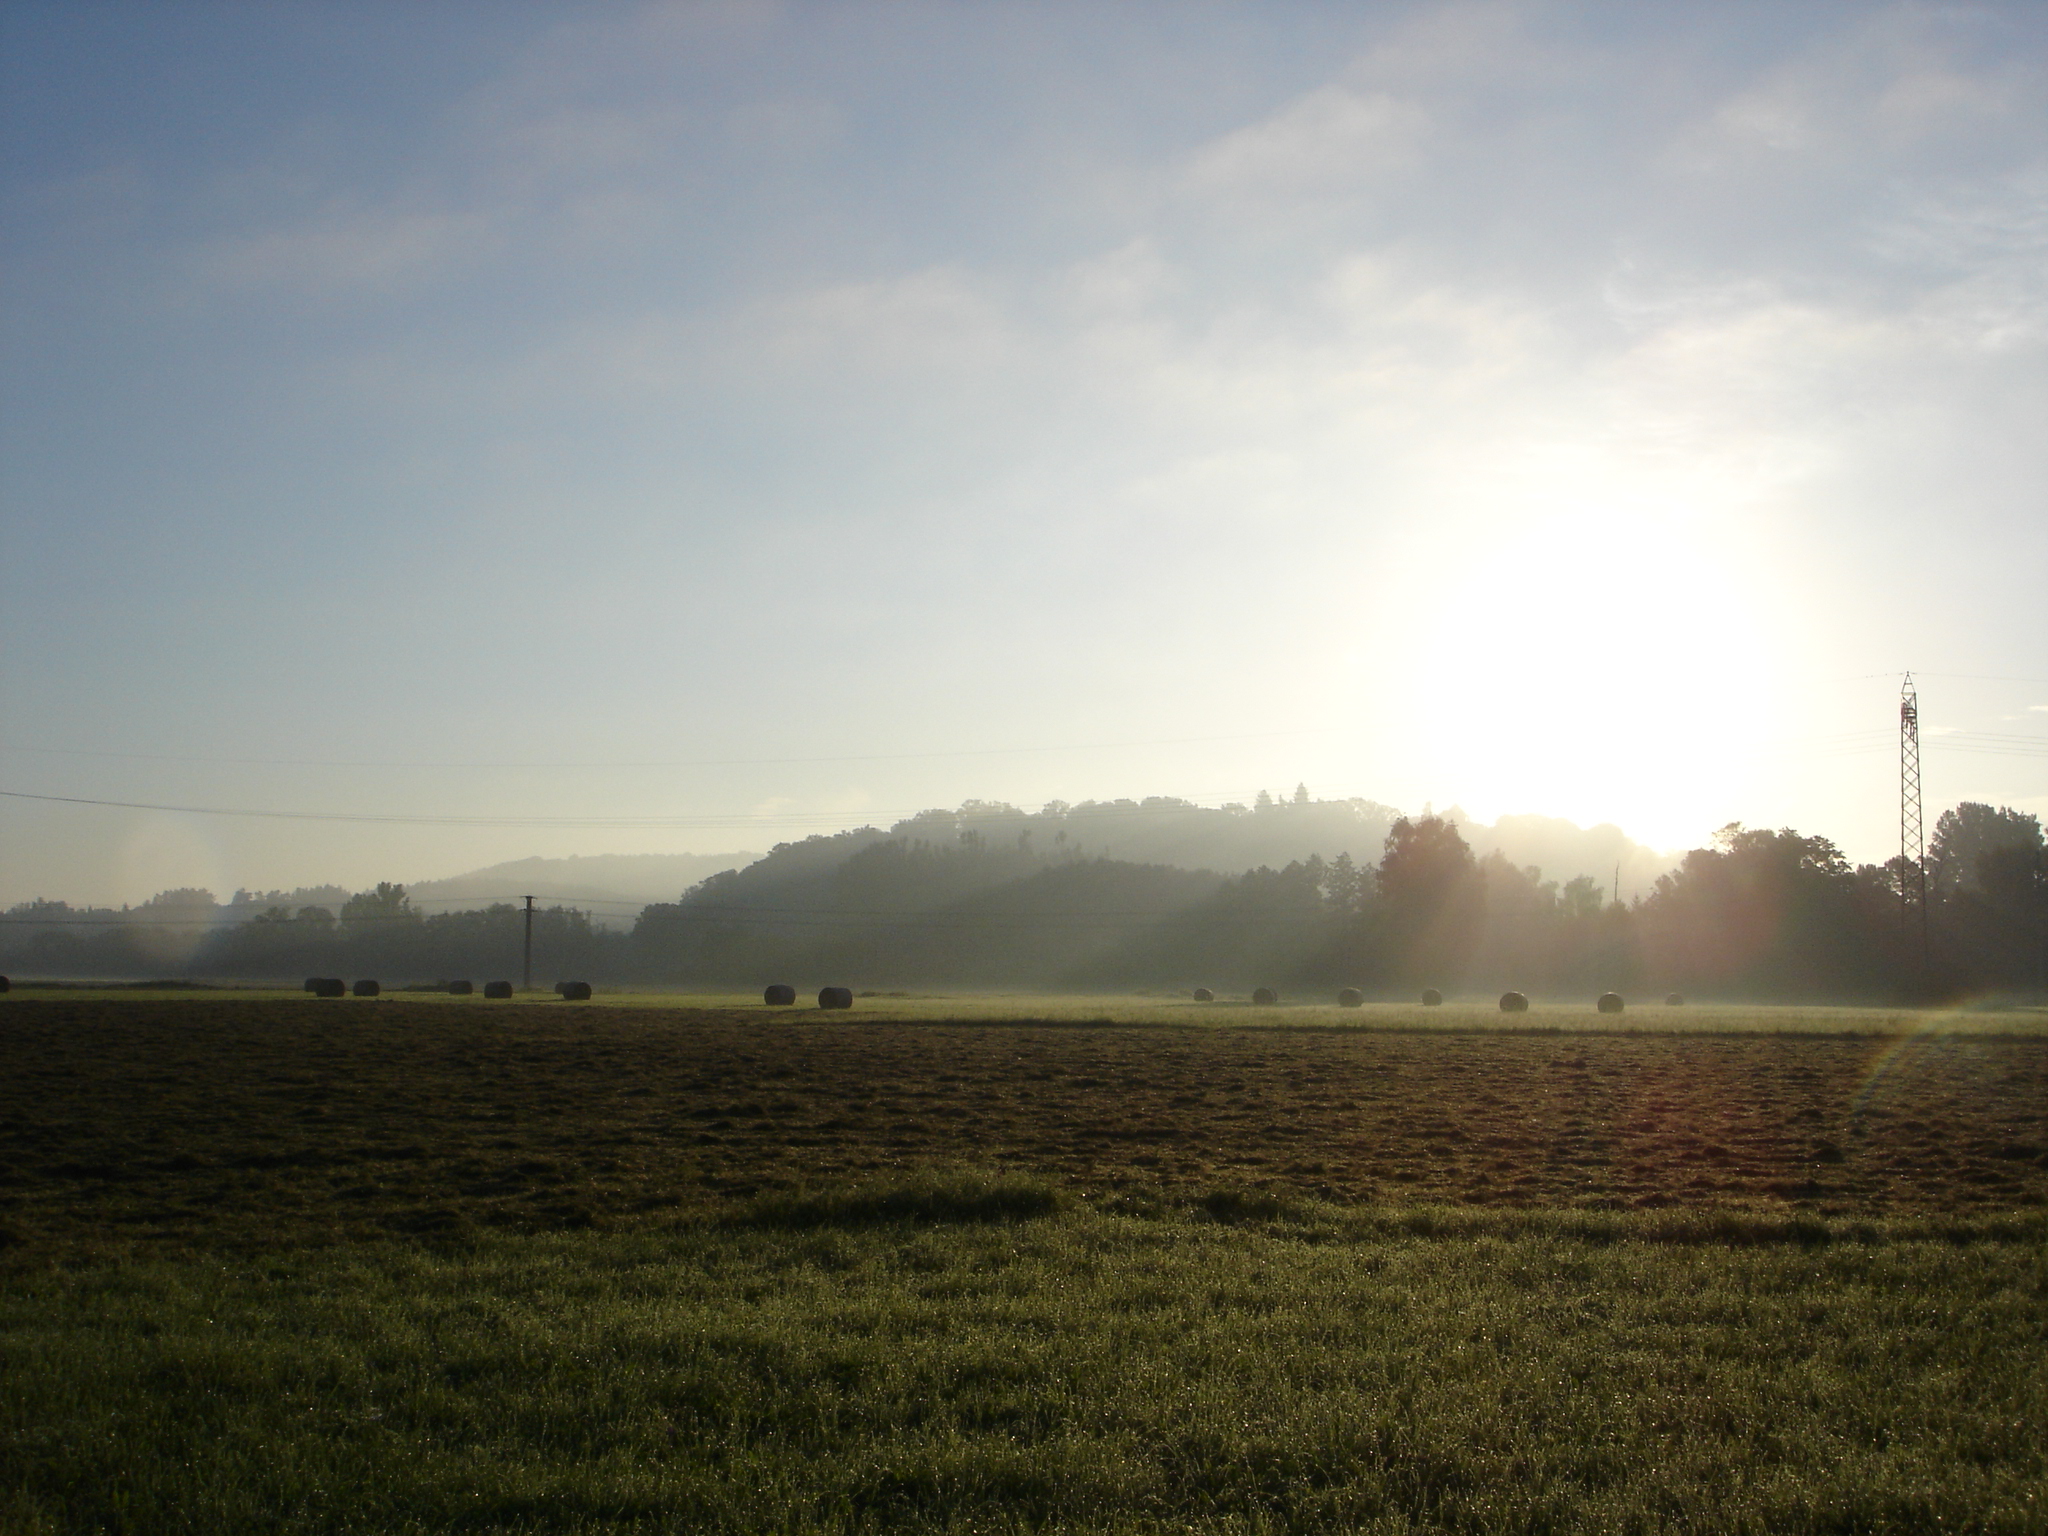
988	896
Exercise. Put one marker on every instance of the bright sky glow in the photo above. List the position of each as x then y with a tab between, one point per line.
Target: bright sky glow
1563	408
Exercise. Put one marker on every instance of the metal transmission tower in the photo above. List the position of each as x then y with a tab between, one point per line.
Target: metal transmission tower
1912	837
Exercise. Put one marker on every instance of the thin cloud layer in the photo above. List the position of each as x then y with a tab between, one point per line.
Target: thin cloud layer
1476	383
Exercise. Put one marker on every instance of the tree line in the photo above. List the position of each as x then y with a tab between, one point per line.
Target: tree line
939	900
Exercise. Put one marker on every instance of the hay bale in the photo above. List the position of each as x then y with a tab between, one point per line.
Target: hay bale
315	983
1265	997
329	986
1513	1002
1431	998
1204	995
6	985
1610	1002
1674	1001
573	991
497	989
1351	997
778	996
367	989
461	988
835	997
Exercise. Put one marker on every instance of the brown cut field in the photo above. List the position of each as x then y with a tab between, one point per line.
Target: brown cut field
212	1121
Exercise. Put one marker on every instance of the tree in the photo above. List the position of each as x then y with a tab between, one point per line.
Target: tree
184	896
1344	886
1766	913
2014	878
385	903
1519	937
1430	901
1964	835
1581	898
1423	863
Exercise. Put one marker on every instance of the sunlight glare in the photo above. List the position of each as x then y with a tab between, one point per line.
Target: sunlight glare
1594	663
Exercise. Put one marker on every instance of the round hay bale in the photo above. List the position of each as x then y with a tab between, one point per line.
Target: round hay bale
1610	1002
1431	998
6	985
314	983
329	986
1351	997
1204	995
497	989
367	989
461	988
778	996
1513	1002
573	991
1674	1001
1265	997
835	997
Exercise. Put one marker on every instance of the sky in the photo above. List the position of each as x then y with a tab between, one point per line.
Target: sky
488	430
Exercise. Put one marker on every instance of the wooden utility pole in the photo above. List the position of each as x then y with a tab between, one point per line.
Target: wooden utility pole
527	985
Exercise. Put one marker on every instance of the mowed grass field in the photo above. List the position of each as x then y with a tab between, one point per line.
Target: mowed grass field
224	1120
654	1263
1458	1014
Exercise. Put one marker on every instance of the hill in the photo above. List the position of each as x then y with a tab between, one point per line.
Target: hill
613	887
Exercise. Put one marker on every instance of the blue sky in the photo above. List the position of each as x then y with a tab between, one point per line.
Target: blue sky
734	421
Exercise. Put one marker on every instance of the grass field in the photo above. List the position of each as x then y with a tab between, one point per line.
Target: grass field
1456	1015
434	1264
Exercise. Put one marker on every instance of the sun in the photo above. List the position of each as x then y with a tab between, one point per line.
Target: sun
1598	658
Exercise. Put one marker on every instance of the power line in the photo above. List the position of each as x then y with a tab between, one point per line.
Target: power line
714	762
409	820
137	917
770	819
1979	677
800	917
1988	751
1966	677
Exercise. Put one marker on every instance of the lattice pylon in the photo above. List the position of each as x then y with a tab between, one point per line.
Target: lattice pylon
1912	832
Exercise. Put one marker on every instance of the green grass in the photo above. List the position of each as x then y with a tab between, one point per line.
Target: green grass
1647	1015
989	1354
282	1265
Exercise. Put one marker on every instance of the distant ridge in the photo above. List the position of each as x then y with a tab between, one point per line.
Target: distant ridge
1564	850
1159	831
615	885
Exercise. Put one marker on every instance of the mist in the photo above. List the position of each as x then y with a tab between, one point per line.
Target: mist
1117	894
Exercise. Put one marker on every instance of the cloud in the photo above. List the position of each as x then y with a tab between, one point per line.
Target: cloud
937	319
1333	137
1885	90
1983	248
348	249
785	350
